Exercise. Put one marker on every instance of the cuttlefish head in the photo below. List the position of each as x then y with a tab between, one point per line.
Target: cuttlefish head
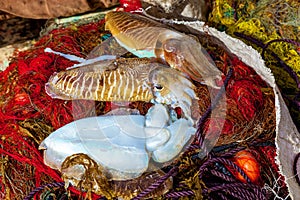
172	87
187	55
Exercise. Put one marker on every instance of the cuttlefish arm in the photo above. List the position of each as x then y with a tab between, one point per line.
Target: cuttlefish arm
173	88
88	62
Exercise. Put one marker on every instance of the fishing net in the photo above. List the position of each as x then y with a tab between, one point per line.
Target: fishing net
28	115
272	28
241	166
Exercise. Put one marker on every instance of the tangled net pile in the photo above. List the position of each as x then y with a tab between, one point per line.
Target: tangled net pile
272	28
241	166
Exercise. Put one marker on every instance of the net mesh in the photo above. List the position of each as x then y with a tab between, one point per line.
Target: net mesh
28	114
266	21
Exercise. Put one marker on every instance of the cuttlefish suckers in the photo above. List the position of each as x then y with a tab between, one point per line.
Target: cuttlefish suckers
147	38
130	79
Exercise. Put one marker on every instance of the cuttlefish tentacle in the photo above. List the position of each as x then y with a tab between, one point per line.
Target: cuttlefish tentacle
173	88
147	38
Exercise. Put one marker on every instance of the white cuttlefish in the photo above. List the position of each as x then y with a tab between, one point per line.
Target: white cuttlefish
122	144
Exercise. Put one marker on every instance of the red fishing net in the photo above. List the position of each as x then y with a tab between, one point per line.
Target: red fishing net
28	114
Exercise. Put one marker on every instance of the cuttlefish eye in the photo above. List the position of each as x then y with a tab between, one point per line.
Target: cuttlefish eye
171	45
158	87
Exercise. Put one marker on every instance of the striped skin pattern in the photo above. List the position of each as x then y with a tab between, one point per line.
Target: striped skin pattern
120	80
133	31
130	79
134	79
147	38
